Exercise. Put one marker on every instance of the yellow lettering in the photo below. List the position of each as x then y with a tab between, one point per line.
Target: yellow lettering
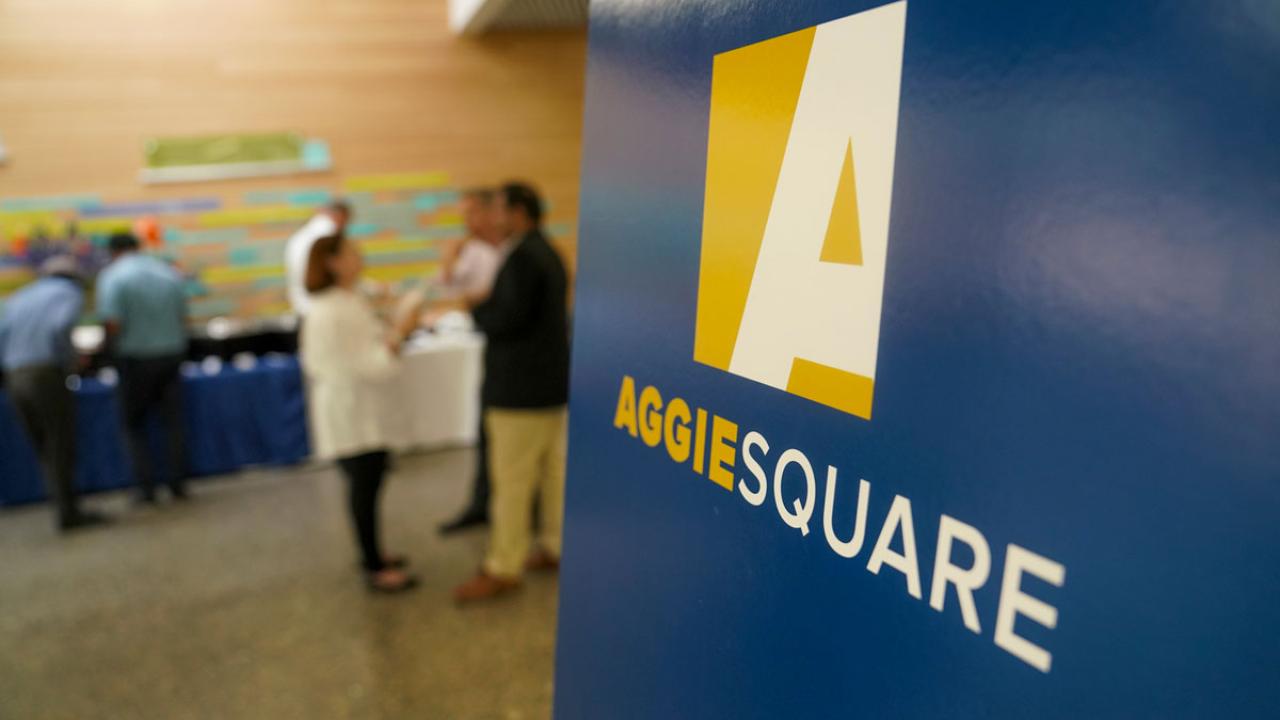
676	430
625	416
700	442
723	452
650	416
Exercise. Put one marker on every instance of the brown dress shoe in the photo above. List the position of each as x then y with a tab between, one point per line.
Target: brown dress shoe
482	587
542	561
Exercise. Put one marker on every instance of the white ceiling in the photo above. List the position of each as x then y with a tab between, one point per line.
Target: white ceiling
480	16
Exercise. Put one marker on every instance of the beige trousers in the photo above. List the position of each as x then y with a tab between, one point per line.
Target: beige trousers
526	456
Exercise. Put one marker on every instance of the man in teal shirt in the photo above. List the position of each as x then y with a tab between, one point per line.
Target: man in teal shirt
143	303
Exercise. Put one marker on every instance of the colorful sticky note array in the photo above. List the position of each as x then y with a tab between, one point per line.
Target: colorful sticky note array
236	250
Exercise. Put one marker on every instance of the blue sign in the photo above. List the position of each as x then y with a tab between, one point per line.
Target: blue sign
927	363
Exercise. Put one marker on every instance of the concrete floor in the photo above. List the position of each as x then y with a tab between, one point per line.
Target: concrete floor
246	603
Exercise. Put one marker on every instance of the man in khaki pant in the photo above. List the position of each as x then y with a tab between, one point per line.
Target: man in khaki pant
526	391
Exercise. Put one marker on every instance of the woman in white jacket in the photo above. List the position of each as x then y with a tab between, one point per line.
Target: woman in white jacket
349	356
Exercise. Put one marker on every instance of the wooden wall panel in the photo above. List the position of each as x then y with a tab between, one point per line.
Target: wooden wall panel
84	82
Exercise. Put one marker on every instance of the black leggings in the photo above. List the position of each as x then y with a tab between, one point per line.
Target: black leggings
364	483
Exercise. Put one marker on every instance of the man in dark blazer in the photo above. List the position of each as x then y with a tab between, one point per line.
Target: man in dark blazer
526	391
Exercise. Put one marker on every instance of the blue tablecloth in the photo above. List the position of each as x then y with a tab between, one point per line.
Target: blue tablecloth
235	418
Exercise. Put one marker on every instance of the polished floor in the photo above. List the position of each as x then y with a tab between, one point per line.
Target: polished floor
245	603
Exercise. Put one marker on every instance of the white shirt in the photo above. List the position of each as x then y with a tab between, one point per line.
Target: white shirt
350	370
477	266
296	253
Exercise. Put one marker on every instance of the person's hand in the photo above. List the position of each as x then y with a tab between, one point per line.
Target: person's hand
408	311
450	250
433	315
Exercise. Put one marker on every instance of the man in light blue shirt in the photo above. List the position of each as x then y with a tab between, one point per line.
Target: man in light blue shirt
143	304
36	355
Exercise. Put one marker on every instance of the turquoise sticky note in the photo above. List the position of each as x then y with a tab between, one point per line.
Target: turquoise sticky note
243	256
426	202
310	198
268	282
315	155
307	197
195	288
362	229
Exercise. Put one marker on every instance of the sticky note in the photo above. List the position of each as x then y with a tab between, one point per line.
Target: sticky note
243	256
401	181
54	202
221	275
362	229
255	215
154	207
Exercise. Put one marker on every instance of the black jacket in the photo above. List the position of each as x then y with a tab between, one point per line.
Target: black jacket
525	321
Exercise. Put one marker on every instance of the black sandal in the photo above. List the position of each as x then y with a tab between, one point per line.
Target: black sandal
408	583
395	562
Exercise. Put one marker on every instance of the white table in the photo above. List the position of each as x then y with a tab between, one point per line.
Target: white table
436	402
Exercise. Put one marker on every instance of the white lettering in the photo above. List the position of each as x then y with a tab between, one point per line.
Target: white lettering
800	518
965	580
851	548
753	440
1014	602
906	563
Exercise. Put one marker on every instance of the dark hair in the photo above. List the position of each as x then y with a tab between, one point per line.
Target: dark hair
482	195
338	205
319	277
122	242
522	195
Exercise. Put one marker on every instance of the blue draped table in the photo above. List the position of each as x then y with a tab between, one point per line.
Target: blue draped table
234	418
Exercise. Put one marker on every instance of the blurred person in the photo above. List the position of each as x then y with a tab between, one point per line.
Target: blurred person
37	356
349	357
469	272
143	303
526	391
469	268
331	220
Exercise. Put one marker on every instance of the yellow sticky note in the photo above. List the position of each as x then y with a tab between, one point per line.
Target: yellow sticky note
395	273
395	245
254	216
219	275
401	181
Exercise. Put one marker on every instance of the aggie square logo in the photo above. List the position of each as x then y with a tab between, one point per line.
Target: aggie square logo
795	223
